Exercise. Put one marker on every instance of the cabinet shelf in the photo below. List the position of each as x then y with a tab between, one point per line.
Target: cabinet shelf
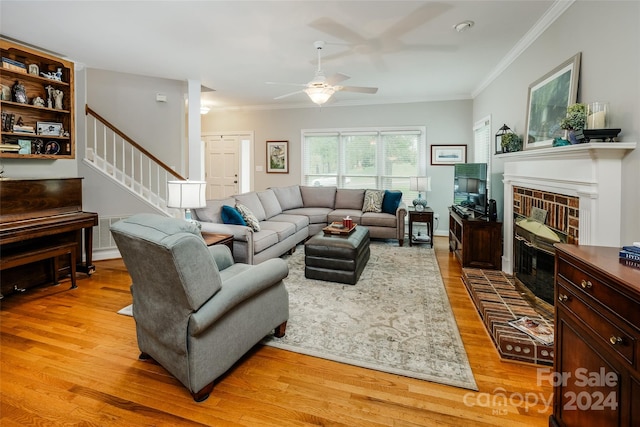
33	107
30	115
32	77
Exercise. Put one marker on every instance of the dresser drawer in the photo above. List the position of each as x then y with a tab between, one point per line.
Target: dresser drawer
610	332
585	282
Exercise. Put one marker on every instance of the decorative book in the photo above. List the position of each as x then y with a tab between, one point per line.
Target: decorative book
534	329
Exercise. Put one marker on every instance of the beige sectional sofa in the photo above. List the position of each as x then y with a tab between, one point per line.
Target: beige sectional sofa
288	215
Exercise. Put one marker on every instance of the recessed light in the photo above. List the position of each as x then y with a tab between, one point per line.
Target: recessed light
463	26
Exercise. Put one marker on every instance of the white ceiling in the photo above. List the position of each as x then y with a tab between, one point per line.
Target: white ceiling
408	49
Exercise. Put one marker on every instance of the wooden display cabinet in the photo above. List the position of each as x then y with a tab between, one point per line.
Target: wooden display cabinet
39	146
476	242
597	338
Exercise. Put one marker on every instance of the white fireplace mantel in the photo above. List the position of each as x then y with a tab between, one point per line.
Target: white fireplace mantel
592	172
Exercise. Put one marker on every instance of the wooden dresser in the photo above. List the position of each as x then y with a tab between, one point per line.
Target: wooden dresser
597	338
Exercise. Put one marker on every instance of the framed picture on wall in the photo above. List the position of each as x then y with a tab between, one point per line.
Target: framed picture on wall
277	156
547	103
446	155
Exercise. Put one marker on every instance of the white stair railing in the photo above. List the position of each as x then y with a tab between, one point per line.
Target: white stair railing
123	160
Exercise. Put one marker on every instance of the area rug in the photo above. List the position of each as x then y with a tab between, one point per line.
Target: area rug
396	319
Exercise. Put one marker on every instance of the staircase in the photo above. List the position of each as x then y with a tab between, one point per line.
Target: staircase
124	161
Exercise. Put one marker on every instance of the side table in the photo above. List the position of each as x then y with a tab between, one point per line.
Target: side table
425	216
218	239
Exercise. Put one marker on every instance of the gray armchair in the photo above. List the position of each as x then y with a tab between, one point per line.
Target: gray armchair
196	311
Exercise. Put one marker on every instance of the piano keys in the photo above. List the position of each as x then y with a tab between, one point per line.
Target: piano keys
37	213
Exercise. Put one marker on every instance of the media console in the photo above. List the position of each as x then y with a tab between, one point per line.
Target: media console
476	242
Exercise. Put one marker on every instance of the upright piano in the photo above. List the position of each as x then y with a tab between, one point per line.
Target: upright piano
38	213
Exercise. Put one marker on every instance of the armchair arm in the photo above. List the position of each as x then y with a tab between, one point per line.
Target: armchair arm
222	256
401	213
237	289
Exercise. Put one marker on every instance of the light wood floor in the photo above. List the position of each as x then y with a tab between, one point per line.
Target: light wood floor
67	358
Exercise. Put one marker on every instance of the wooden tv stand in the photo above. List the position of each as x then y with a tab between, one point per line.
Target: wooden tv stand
476	242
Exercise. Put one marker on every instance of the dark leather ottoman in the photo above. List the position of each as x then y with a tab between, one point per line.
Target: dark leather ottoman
337	258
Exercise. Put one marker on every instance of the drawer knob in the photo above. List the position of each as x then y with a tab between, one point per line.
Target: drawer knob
562	298
615	340
586	284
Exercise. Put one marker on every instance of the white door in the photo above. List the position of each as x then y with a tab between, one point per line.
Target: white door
221	165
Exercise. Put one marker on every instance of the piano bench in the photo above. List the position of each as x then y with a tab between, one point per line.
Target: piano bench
42	253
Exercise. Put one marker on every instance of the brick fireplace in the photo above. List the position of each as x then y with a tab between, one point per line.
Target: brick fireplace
590	174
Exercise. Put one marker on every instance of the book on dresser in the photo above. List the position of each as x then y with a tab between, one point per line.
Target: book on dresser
633	256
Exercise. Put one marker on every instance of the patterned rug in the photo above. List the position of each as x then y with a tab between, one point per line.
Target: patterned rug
396	319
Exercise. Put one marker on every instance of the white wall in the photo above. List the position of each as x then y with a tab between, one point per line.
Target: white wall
129	103
447	122
608	35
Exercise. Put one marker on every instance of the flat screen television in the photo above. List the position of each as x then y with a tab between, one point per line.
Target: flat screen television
470	188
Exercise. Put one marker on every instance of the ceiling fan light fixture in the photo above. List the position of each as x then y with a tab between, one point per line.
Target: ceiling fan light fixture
320	95
204	109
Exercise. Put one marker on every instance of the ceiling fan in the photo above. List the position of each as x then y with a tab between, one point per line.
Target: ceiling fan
321	88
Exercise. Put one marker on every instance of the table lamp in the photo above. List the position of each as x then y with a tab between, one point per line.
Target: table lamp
420	184
186	195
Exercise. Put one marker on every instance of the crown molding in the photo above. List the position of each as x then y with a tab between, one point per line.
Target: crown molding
550	16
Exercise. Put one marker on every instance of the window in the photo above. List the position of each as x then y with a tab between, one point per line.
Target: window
364	158
482	146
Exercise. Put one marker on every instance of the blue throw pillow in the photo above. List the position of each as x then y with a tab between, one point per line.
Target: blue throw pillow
231	216
391	201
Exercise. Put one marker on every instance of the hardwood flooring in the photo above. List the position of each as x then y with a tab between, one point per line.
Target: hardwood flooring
67	358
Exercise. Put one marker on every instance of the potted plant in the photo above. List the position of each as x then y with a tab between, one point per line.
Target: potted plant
511	142
575	120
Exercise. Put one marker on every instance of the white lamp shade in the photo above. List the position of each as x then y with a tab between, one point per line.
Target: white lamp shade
320	95
186	194
420	183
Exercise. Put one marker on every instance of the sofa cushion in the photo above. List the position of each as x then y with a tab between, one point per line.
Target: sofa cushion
264	239
349	198
269	203
373	219
315	215
288	197
339	214
282	229
212	212
230	215
318	197
373	201
300	221
252	202
248	216
391	201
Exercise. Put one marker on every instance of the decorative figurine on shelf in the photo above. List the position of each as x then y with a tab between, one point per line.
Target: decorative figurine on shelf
19	93
49	90
53	76
38	102
34	69
57	96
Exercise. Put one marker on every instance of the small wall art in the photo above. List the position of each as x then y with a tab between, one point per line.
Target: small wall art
446	155
277	156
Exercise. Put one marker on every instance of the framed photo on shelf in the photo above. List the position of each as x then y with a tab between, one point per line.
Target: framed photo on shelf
277	156
446	155
547	103
49	128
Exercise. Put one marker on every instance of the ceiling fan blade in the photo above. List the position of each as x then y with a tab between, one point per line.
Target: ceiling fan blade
289	94
337	78
415	19
331	27
359	89
286	84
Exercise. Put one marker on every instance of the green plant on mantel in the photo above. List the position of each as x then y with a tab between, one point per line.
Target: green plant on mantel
576	117
511	142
